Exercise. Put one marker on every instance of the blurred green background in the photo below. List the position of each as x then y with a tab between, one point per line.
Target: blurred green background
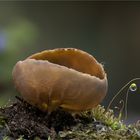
110	31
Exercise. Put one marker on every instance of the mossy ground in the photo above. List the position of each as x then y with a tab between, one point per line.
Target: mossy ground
23	121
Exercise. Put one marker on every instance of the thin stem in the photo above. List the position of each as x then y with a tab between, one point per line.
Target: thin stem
121	110
126	101
121	91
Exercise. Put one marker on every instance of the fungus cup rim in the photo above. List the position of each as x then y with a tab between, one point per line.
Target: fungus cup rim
67	49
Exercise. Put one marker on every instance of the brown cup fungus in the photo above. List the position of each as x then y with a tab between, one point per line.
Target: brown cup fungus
65	77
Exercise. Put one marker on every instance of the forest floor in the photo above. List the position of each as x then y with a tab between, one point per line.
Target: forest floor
22	121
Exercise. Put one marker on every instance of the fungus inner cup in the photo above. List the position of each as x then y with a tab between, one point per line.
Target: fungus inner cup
74	59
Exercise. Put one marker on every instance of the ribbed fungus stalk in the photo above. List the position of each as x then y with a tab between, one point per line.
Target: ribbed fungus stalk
65	77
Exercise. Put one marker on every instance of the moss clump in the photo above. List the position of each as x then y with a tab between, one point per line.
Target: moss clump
105	127
108	118
23	121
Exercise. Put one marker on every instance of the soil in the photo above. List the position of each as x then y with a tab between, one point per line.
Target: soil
22	119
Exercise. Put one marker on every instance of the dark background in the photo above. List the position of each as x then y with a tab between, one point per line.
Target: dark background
110	31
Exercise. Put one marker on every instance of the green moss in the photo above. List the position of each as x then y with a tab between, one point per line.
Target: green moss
2	121
110	127
108	118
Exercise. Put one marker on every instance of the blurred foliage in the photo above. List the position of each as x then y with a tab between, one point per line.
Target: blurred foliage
18	37
15	40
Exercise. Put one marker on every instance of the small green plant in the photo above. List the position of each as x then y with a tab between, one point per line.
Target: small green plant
133	88
107	117
6	138
21	138
2	121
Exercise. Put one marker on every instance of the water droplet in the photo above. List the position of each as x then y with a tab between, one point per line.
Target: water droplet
133	87
116	107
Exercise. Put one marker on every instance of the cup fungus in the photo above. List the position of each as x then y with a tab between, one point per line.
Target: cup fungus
65	77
